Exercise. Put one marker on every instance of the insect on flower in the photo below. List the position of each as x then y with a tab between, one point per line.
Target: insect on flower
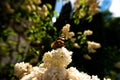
58	43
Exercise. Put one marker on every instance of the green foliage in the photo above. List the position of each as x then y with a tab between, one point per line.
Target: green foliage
22	30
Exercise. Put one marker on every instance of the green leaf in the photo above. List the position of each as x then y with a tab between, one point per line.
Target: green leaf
89	18
49	6
79	37
79	33
82	2
77	21
56	13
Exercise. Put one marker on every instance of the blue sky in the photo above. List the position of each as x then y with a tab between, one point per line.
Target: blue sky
112	5
104	4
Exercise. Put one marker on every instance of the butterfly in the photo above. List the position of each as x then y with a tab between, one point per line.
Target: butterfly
58	43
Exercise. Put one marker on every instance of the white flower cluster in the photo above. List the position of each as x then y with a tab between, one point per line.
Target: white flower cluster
60	58
22	69
92	46
76	4
35	74
88	32
106	79
42	11
32	6
65	32
74	74
93	6
55	73
53	68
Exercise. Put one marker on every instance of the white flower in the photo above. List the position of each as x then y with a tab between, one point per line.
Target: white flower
56	61
66	28
77	4
53	68
88	32
92	46
93	9
76	45
47	59
60	57
36	74
55	73
95	77
21	69
42	11
66	33
107	79
74	74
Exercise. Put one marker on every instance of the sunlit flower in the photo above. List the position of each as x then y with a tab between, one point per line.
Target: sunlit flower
42	11
76	4
53	68
76	45
60	57
55	73
36	74
22	69
65	32
88	32
93	9
47	59
56	61
106	79
66	28
93	6
74	74
92	46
